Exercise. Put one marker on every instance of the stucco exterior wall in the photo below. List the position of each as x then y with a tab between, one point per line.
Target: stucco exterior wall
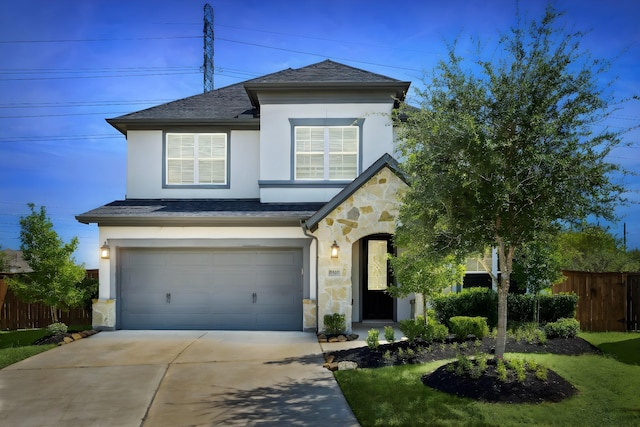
372	209
145	162
276	144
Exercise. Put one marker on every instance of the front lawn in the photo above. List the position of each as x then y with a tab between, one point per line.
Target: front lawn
18	345
396	396
623	346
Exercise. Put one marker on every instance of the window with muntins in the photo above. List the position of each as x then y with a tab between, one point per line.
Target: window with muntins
196	159
326	152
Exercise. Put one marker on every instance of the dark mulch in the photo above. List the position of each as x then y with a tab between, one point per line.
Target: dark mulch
486	388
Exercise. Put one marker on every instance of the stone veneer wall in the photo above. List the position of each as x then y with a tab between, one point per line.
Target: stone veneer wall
372	209
104	314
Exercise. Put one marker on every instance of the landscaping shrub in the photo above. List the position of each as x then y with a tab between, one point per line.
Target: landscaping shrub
563	328
335	323
389	334
57	328
412	329
435	332
373	339
521	307
557	306
462	326
470	302
529	332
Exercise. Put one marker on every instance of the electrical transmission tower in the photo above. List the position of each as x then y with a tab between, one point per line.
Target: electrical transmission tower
207	66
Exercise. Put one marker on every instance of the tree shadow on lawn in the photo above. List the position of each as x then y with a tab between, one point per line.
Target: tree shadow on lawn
627	351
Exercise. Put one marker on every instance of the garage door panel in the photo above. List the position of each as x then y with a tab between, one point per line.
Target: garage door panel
234	258
282	259
211	289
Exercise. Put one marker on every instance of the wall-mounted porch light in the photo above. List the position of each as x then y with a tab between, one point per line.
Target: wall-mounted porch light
335	249
105	251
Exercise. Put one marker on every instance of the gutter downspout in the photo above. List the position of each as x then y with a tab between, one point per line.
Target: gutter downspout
305	230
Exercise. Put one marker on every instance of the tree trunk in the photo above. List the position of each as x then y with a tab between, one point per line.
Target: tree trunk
54	314
505	256
501	338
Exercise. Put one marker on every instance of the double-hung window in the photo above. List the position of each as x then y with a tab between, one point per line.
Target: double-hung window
196	159
326	152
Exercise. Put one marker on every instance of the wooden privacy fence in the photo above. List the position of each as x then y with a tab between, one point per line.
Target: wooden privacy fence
15	314
606	301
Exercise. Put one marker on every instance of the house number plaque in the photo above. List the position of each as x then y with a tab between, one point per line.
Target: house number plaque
334	273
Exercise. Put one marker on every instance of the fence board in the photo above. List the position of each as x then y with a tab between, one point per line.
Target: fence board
15	314
633	302
606	301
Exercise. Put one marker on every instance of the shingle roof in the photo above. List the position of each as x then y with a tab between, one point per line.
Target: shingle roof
238	103
197	211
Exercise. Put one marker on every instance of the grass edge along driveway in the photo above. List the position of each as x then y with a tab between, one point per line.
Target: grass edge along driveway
395	396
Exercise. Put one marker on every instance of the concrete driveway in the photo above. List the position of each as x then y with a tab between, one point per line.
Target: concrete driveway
176	378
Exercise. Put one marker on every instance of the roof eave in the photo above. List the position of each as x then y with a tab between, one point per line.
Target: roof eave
400	88
124	125
273	219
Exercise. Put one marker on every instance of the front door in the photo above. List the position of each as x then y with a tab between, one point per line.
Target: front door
377	277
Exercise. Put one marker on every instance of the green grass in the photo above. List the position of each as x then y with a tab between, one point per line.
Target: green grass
17	345
21	338
395	396
9	356
623	346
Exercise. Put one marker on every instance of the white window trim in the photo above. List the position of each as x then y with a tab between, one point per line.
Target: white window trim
326	153
165	171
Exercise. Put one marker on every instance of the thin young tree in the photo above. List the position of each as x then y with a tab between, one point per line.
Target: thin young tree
504	149
55	280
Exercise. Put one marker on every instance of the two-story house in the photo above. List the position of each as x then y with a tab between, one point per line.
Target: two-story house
262	205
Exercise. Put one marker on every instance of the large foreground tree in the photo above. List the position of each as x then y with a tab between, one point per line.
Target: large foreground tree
56	278
508	148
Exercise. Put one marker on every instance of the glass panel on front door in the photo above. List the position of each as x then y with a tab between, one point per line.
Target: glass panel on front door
377	265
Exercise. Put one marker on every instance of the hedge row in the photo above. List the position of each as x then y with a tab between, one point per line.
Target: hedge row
521	308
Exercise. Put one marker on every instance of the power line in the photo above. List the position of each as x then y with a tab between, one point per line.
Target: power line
318	55
97	40
100	77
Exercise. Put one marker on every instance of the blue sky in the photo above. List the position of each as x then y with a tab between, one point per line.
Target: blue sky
68	65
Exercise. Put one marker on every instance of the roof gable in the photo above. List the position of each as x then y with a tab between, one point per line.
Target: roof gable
385	161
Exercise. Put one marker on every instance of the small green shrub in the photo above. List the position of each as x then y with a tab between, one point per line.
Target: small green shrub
412	329
373	339
57	328
389	334
387	355
435	332
501	370
563	328
335	323
529	332
462	326
541	373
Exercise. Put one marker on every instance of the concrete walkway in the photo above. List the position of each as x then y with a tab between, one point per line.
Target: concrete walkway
176	378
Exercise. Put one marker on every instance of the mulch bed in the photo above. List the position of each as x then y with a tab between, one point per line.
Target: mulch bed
60	339
487	388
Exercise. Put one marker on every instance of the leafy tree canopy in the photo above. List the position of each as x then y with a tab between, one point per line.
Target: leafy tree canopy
55	280
593	248
505	149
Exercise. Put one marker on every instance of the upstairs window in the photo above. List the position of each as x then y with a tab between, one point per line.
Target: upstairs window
326	152
196	159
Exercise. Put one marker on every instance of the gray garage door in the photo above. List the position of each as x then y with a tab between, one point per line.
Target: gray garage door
211	289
